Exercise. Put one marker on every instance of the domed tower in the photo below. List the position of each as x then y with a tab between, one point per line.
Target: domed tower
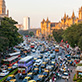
80	13
2	7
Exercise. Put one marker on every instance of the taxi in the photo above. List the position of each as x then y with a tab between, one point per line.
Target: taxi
46	73
35	59
39	57
43	65
13	80
10	77
30	74
36	70
32	81
9	68
53	63
40	78
26	79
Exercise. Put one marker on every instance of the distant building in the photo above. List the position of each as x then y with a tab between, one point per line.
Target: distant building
3	9
26	23
19	26
47	27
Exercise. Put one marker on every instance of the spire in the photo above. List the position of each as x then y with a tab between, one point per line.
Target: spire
65	16
73	15
47	20
43	21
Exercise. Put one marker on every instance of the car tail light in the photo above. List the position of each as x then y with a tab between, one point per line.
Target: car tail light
19	71
24	72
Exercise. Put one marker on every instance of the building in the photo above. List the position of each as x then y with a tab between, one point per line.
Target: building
3	9
19	26
47	27
38	33
26	23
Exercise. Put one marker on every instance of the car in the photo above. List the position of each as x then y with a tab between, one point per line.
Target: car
32	81
36	70
33	50
65	75
43	65
30	74
37	62
4	67
10	69
40	78
13	80
26	79
15	66
4	73
10	77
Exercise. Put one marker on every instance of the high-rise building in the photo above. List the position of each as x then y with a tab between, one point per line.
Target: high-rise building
26	23
3	9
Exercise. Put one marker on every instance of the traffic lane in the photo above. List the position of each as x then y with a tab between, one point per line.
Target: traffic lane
34	55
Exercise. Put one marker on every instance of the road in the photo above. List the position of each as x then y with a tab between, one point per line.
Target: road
36	54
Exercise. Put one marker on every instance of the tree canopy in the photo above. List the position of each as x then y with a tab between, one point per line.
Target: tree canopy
9	36
58	34
74	35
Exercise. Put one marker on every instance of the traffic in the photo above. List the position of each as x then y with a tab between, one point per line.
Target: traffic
39	61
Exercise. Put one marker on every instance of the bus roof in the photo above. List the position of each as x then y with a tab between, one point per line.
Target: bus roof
13	54
25	58
11	58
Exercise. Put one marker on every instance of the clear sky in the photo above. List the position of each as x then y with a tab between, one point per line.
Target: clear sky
39	9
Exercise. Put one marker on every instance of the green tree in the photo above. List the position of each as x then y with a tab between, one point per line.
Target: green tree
9	36
58	34
31	34
74	35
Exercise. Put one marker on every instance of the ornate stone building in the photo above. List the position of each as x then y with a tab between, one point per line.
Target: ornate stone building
47	27
3	9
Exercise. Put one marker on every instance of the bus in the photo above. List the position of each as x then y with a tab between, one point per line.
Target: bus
10	61
25	64
13	54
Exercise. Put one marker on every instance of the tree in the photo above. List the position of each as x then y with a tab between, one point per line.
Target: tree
31	34
9	36
73	35
58	35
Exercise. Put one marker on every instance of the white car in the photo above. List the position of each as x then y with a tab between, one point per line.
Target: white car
33	50
15	66
38	62
65	76
4	73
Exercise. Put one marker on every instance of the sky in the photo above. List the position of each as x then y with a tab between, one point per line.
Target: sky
39	9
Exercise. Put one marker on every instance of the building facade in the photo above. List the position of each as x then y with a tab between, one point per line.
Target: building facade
47	27
3	9
26	23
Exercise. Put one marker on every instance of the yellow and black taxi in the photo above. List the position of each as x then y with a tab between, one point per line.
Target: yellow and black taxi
35	59
32	81
30	74
53	63
13	80
36	70
10	68
26	79
43	65
40	78
46	72
10	77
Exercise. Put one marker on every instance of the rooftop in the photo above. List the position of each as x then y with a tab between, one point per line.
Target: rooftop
25	58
